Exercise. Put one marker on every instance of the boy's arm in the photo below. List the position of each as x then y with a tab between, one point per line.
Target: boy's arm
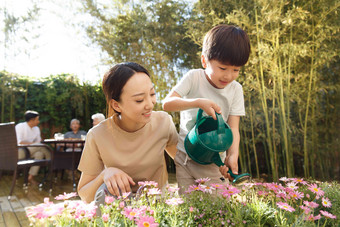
174	102
233	151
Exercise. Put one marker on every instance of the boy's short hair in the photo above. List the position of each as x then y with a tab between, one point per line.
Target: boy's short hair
30	114
227	44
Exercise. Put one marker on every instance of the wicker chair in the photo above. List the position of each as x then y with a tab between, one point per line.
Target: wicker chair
9	154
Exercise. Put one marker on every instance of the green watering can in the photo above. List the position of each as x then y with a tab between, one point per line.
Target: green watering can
209	137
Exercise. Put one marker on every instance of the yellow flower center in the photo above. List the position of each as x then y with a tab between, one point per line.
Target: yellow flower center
315	189
132	213
146	224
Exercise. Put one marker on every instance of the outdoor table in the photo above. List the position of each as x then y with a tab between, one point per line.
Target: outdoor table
61	160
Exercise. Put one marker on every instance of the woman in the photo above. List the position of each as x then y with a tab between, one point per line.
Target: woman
129	146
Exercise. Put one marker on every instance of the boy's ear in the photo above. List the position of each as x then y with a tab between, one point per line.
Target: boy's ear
115	105
203	61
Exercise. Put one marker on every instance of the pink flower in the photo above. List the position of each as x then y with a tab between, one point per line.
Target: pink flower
85	210
284	179
202	180
105	217
124	195
314	188
146	221
174	201
173	189
148	183
45	210
274	186
306	209
311	217
285	206
109	199
191	209
292	185
131	213
66	196
300	181
194	188
311	204
262	193
154	191
217	186
327	214
281	194
326	203
229	192
296	195
207	189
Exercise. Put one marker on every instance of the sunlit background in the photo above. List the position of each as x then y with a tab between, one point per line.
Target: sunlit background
57	44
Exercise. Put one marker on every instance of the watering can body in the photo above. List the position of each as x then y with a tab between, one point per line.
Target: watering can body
207	139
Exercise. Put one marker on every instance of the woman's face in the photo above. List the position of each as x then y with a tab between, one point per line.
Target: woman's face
136	102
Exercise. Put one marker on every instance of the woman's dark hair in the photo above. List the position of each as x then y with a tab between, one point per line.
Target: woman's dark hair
115	79
227	44
30	114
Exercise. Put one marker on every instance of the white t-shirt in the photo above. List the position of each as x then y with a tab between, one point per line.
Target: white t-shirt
27	134
194	84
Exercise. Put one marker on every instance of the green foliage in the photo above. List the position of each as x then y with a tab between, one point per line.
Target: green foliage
285	84
259	204
332	190
290	83
58	99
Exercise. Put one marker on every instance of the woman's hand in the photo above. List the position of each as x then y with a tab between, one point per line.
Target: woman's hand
117	181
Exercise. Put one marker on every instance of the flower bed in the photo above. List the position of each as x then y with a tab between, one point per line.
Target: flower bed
293	202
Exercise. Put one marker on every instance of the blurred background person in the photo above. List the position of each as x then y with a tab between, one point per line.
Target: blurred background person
28	133
76	133
97	118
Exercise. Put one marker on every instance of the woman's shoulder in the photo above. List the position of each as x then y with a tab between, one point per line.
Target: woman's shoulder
160	116
102	127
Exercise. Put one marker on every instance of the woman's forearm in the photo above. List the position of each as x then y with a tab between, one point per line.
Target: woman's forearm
87	188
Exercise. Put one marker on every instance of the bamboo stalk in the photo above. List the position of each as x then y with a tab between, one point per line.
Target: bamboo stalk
253	138
263	96
3	104
305	125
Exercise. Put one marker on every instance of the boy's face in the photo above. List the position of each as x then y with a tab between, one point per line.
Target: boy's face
219	74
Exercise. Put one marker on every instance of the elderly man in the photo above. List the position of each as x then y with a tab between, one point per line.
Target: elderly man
75	133
97	118
28	132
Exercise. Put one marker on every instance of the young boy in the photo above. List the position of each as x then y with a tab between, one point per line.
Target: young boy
214	89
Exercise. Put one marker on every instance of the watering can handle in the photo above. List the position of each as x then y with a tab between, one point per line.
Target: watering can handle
199	115
220	121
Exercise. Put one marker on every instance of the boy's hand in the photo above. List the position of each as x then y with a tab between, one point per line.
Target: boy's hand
231	161
209	107
224	171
